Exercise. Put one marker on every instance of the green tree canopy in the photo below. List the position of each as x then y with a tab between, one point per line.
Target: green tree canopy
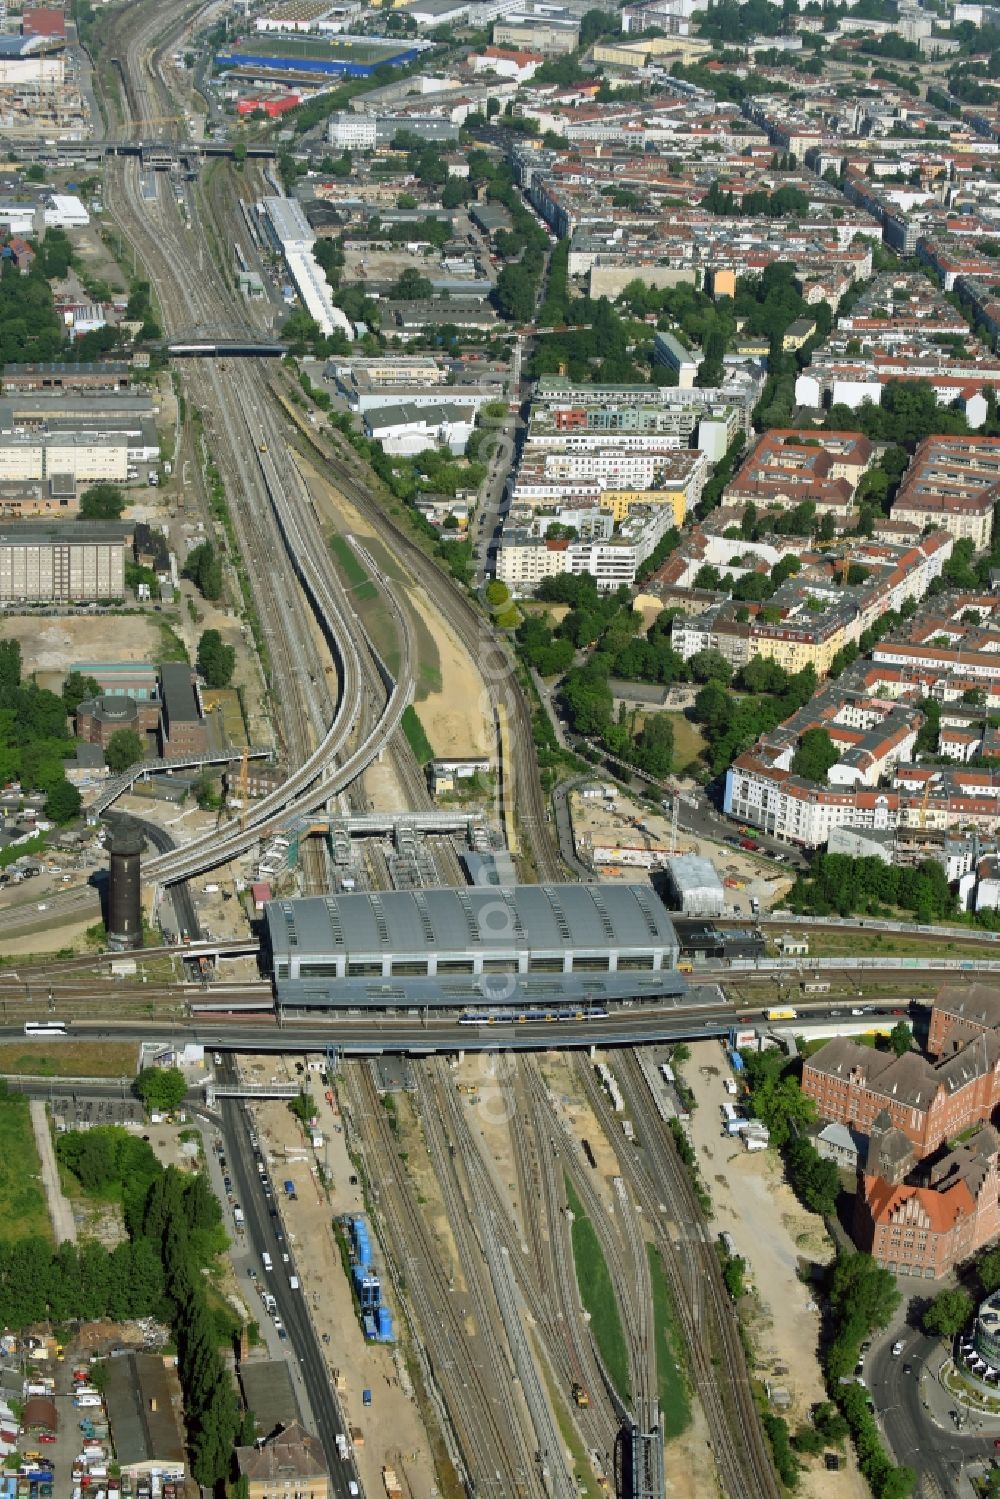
947	1314
78	689
901	1038
216	660
205	570
161	1089
814	756
63	802
124	748
102	502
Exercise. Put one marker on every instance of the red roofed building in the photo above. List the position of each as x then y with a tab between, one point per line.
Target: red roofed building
43	20
925	1220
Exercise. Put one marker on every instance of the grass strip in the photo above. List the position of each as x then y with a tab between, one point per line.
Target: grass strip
675	1402
23	1209
359	581
416	738
598	1296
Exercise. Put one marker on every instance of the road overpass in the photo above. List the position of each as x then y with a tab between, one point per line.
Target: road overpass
225	348
699	1016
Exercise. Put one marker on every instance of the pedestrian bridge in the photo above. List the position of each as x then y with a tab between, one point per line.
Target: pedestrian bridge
223	343
250	1090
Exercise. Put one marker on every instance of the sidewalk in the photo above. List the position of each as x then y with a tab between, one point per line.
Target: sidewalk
63	1222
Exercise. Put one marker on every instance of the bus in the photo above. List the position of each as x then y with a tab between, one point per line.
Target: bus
45	1027
786	1014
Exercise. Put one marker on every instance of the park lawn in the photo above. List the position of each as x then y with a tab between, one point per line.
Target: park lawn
675	1402
23	1209
416	736
688	742
69	1059
598	1296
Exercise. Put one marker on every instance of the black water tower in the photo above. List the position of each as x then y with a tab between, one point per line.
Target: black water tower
125	886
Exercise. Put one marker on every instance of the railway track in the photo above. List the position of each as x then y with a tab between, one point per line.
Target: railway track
660	1183
464	1363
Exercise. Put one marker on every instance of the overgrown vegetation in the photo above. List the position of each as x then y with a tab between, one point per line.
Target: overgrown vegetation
598	1296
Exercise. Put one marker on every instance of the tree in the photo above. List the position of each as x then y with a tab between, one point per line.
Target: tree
205	570
124	748
710	666
814	1180
947	1314
63	802
161	1089
988	1270
733	1272
862	1293
77	689
216	660
713	707
814	756
901	1038
102	502
412	287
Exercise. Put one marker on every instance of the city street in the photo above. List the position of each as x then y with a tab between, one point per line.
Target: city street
914	1411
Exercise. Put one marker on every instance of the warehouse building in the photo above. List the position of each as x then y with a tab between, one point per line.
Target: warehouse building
693	886
521	945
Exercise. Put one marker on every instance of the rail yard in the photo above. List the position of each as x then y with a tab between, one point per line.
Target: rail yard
432	1036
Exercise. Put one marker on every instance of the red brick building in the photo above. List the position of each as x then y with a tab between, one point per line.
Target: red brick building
962	1013
927	1101
924	1219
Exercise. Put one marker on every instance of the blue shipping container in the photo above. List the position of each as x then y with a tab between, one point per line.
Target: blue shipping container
366	1397
368	1323
385	1325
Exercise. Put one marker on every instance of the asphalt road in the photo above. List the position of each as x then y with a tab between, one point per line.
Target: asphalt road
907	1405
262	1231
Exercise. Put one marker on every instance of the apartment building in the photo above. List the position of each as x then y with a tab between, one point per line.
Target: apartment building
72	562
954	483
787	467
527	555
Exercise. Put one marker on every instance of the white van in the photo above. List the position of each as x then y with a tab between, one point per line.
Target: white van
293	1282
265	1260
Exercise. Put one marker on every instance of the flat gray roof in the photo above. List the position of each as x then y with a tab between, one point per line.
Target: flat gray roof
178	692
533	918
270	1394
140	1395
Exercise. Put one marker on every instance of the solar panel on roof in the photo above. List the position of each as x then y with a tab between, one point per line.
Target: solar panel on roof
419	900
465	901
333	910
642	901
562	925
507	896
602	912
381	925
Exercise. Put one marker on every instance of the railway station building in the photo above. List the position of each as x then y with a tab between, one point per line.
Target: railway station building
522	947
